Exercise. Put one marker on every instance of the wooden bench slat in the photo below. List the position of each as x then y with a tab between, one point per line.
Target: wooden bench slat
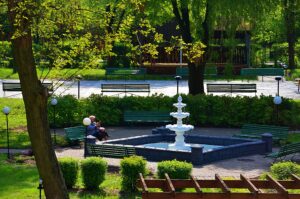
231	88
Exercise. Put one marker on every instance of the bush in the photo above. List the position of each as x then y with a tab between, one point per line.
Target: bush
283	170
205	110
175	169
130	169
69	168
93	172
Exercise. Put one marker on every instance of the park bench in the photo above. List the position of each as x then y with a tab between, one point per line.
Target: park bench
285	150
125	72
147	116
256	130
110	150
16	86
125	88
262	72
231	88
209	71
75	134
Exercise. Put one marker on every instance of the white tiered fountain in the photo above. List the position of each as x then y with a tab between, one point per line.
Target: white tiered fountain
179	128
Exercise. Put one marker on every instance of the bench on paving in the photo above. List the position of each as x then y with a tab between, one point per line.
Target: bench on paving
16	86
125	88
256	130
210	71
231	88
75	134
147	116
285	150
125	72
262	72
110	150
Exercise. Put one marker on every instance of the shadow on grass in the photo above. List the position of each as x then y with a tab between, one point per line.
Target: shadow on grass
101	193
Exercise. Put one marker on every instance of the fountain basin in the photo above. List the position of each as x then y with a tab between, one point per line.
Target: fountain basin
229	147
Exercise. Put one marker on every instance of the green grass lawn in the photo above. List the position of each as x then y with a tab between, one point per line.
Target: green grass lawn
99	74
21	181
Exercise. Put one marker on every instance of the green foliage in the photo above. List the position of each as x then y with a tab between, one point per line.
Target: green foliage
283	170
228	72
93	171
67	111
175	169
130	169
69	168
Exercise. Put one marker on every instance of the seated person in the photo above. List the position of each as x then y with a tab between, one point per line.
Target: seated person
101	131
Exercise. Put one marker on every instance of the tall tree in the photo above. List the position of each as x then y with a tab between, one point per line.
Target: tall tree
290	8
20	13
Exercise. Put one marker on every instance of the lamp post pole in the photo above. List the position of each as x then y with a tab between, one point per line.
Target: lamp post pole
40	187
278	78
6	111
86	122
54	103
178	78
78	77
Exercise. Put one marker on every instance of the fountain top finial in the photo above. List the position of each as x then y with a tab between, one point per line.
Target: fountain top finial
179	99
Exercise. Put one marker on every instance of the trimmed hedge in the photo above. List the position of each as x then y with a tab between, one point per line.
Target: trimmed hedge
69	168
205	110
93	171
175	169
130	169
283	170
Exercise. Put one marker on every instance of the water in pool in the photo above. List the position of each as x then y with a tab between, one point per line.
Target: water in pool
165	145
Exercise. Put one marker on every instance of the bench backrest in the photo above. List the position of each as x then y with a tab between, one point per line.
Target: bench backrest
125	87
231	88
125	71
276	131
75	132
289	148
184	71
262	71
146	116
106	150
16	86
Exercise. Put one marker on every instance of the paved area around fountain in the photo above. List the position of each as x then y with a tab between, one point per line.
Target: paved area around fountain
268	87
251	166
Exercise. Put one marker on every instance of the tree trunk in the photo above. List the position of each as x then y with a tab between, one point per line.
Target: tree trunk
289	9
196	78
35	100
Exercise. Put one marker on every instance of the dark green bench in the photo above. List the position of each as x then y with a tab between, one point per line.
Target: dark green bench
256	130
125	72
147	116
75	134
262	72
209	71
285	150
125	88
110	150
231	88
16	86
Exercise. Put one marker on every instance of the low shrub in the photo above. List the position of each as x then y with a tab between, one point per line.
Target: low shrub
283	170
175	169
93	171
69	168
130	169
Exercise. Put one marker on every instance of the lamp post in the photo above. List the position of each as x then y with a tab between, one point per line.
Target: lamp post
178	78
278	78
78	78
86	122
277	101
6	111
40	187
54	103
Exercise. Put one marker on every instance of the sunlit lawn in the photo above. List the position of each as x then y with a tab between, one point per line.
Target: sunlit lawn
21	181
